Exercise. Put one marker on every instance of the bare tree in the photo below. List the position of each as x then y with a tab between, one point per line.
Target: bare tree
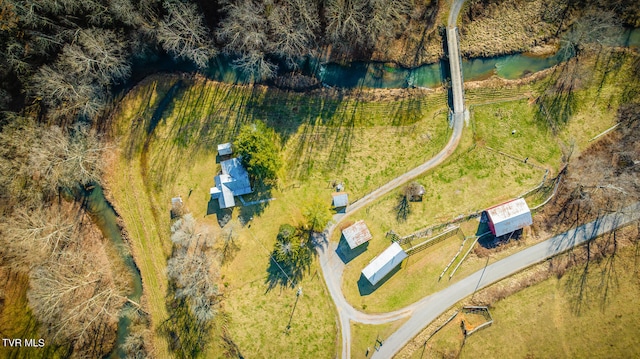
255	64
183	34
29	237
192	269
15	142
592	29
346	22
96	53
293	26
74	298
387	18
229	244
66	160
245	33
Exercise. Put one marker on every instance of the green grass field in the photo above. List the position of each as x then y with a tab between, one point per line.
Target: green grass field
364	337
542	321
168	128
476	177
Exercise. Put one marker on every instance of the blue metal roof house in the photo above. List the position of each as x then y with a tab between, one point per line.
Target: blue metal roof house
233	181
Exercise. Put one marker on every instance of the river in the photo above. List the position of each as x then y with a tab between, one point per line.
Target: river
376	74
105	217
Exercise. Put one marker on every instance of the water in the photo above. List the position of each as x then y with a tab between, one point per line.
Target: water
106	218
380	75
510	67
370	74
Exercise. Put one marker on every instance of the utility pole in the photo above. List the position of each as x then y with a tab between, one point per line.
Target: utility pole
298	294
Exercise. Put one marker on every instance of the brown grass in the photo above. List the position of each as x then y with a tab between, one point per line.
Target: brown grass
505	27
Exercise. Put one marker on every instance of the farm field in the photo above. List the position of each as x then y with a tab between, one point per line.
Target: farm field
167	130
561	302
487	168
560	308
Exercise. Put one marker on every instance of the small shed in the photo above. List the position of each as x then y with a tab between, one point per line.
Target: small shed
340	199
509	216
176	201
225	149
416	193
176	207
384	263
357	234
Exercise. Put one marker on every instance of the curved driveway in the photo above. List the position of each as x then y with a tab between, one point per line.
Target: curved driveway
331	264
427	309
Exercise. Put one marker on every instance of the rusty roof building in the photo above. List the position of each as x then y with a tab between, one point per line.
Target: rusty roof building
357	234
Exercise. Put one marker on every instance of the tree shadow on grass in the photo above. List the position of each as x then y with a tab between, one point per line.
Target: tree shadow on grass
255	203
558	102
366	288
186	336
288	273
597	279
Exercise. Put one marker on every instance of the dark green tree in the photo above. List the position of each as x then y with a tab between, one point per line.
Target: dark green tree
317	215
258	146
292	256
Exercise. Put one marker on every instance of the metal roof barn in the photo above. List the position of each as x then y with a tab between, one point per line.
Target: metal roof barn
356	234
225	149
508	217
384	263
340	199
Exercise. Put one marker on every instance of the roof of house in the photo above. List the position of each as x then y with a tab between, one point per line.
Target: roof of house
225	149
340	199
508	210
384	263
357	234
233	181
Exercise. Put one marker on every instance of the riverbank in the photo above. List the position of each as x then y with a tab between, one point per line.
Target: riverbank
488	29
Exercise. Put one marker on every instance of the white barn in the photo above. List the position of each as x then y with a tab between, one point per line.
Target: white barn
508	217
384	263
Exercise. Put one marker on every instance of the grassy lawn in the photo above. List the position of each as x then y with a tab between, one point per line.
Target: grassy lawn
17	322
606	327
464	184
364	336
167	130
477	176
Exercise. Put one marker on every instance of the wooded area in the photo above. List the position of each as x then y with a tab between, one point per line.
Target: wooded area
64	57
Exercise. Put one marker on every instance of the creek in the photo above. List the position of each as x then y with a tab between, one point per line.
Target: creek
373	74
105	217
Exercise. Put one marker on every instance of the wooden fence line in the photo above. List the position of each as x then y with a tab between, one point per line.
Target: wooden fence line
432	241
